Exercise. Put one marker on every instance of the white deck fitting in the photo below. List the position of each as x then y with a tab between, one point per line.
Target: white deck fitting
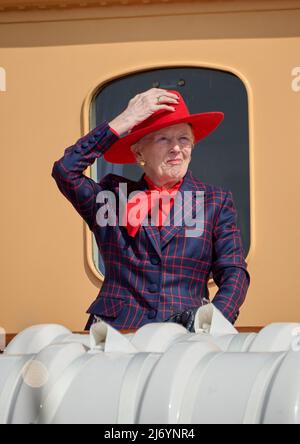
162	374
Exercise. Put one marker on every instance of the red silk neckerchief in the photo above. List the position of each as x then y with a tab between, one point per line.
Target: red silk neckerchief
145	203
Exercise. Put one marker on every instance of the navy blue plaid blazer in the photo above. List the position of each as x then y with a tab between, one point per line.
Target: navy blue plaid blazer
161	271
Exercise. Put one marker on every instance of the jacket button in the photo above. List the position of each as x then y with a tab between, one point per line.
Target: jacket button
154	260
152	314
152	288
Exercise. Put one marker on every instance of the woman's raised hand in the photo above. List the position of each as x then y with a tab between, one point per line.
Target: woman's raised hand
142	106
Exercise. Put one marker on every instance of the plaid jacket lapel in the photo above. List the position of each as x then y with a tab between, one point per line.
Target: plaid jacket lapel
160	238
151	231
188	207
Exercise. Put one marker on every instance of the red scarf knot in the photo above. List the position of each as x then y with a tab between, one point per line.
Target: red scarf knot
146	202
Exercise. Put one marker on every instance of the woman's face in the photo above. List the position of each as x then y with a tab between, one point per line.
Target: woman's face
166	152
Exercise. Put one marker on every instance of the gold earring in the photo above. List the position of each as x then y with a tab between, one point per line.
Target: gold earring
142	163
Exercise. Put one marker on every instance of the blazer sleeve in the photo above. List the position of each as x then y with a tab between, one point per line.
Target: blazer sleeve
229	268
79	189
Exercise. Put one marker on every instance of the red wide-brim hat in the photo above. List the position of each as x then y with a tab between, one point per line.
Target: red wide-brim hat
202	124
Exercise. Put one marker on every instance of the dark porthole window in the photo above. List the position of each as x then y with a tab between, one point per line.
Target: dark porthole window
221	159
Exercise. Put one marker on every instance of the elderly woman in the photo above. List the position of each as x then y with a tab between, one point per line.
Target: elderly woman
156	272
